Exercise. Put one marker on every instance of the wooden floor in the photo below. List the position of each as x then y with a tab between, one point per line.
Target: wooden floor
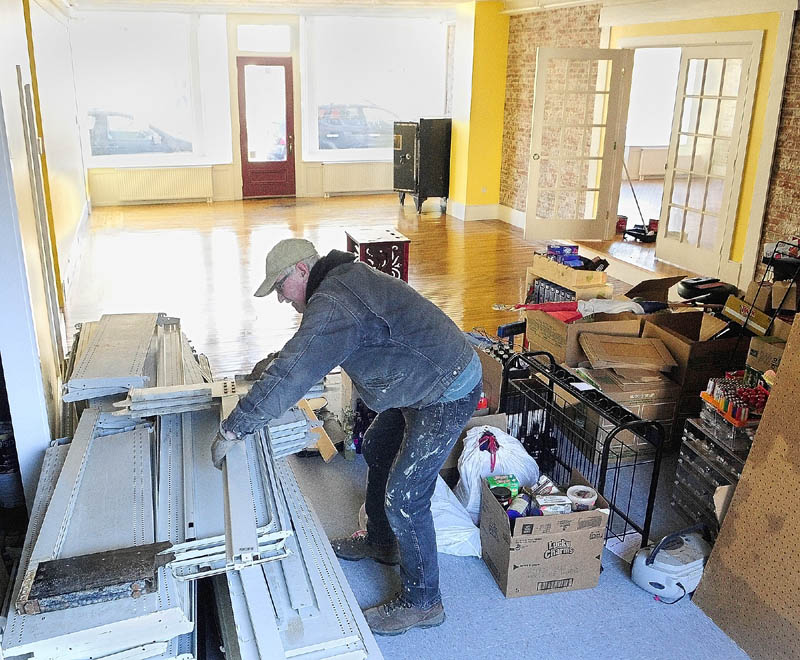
202	263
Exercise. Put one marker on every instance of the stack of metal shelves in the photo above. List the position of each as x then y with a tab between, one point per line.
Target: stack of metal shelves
705	463
125	481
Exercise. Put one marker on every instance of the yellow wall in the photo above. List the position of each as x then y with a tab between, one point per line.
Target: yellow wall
481	50
488	101
768	23
462	101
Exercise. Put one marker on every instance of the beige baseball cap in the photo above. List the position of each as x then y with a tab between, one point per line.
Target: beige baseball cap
286	253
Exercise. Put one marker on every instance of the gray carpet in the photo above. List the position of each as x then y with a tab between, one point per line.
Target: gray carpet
614	620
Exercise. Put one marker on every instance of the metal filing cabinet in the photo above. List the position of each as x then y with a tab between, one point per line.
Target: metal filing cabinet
422	160
704	464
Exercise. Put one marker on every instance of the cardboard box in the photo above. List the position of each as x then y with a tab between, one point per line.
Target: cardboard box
544	554
545	333
787	289
492	379
685	335
581	292
765	353
759	298
743	313
604	351
564	275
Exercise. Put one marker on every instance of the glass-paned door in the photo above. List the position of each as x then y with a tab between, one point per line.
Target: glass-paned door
709	136
579	113
266	126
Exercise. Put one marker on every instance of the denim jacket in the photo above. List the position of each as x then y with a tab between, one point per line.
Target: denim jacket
399	349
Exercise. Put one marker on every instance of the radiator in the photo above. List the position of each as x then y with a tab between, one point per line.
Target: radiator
356	177
164	183
652	161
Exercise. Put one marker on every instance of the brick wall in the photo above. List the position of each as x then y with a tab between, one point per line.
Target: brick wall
782	217
574	27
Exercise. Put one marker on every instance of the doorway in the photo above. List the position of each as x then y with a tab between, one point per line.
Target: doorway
652	100
693	151
266	126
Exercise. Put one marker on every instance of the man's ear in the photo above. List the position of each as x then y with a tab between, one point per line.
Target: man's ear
303	268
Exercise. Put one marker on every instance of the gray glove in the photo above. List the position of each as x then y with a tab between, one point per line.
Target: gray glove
221	445
261	366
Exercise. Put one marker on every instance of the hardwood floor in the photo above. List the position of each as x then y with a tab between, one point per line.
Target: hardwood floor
202	263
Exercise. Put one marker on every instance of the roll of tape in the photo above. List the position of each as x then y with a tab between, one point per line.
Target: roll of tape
582	497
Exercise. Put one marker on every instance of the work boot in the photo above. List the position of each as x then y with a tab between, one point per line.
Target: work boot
398	615
355	548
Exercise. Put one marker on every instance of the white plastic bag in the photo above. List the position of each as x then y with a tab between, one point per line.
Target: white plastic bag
455	532
474	465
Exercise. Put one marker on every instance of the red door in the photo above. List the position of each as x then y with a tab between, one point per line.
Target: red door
266	126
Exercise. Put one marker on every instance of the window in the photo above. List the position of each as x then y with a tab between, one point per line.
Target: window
153	88
264	38
364	73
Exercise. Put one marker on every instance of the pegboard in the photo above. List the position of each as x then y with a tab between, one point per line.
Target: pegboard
751	584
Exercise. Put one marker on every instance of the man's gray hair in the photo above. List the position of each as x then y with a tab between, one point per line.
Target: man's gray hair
308	261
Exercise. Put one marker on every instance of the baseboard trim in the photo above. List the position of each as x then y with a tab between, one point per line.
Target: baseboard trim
473	212
512	216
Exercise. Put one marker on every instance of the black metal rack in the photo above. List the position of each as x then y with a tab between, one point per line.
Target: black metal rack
786	263
565	426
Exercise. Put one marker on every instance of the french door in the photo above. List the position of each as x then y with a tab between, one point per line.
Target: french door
266	126
579	113
706	154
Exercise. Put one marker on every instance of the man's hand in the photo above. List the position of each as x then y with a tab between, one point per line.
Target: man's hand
261	366
222	445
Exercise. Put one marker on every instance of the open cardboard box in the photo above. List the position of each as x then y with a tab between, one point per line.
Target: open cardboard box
686	336
543	554
545	333
582	292
564	275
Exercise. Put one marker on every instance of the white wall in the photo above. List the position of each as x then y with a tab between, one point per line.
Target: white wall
66	173
652	100
29	363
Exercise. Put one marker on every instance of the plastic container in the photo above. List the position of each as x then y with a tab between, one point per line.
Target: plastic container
502	495
582	497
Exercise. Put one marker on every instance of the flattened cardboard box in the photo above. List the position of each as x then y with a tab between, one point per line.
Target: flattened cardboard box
545	554
492	379
545	333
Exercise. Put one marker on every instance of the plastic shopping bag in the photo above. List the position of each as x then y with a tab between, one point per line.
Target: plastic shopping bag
455	532
508	457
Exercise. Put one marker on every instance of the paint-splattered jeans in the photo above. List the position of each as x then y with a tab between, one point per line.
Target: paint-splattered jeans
405	448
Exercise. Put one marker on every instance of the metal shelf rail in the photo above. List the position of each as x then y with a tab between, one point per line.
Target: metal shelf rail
567	425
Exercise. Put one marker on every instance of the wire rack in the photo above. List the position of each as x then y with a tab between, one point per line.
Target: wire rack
566	427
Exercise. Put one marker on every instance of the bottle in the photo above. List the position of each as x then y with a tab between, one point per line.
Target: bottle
519	506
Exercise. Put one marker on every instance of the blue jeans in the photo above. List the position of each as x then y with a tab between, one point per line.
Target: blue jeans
405	448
